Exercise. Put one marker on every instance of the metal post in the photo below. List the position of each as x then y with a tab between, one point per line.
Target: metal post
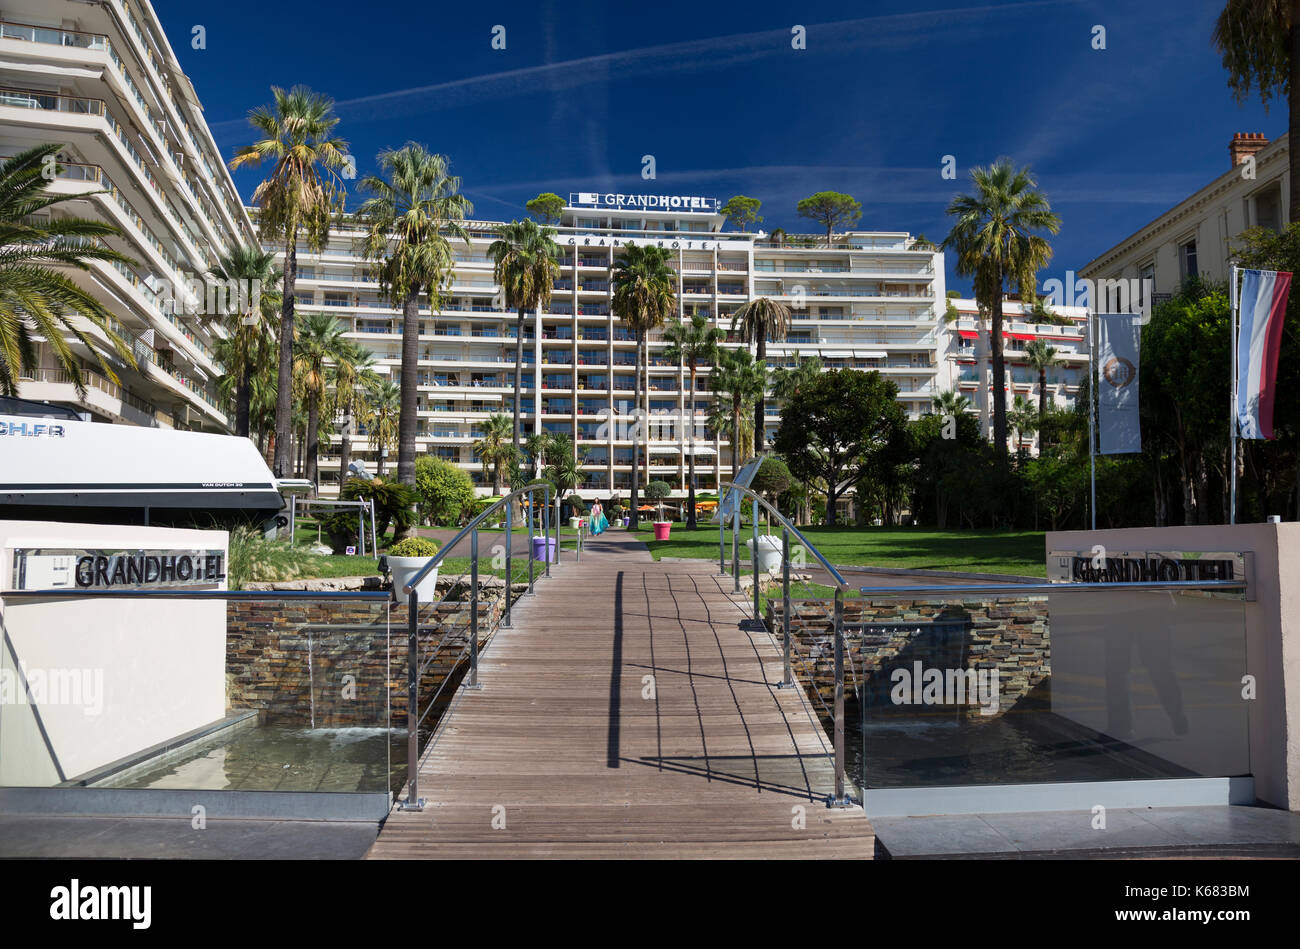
1232	409
754	560
473	609
786	679
559	528
361	529
1092	411
510	543
839	696
374	541
735	547
546	529
529	497
722	544
293	517
413	802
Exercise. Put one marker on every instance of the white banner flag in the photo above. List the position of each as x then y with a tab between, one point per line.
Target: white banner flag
1119	337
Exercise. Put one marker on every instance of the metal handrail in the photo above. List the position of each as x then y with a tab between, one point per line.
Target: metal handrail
840	798
415	666
1019	589
180	593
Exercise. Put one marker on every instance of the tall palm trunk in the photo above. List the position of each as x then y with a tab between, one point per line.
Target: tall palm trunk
735	440
760	406
284	392
999	374
407	417
313	435
691	521
636	434
243	396
519	380
1042	393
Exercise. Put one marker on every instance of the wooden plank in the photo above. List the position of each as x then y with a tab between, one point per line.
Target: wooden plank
567	752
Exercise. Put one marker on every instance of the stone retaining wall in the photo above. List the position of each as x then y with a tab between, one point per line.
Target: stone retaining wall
1010	634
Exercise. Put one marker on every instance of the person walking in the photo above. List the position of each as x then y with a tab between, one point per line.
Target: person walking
598	522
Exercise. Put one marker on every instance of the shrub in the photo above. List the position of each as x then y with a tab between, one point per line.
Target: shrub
657	490
446	492
414	547
394	503
254	557
772	478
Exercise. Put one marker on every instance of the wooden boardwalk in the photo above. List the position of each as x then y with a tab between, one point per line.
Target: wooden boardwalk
566	751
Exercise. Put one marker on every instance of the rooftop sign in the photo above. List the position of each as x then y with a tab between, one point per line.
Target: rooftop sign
643	202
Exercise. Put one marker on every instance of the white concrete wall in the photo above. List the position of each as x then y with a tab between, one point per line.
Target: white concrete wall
1272	633
161	662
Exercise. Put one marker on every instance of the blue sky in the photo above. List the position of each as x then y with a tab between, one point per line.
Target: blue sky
717	95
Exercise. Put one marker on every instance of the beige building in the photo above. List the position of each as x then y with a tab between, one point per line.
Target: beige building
1196	237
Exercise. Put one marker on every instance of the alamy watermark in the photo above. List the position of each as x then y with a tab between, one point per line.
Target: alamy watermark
55	686
1118	295
921	686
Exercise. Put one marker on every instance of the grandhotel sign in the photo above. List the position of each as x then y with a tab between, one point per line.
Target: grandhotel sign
1144	566
81	569
643	202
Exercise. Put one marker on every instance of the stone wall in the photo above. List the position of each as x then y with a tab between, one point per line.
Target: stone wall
339	664
1009	634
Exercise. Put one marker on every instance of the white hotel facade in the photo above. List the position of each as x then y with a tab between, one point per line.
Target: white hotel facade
100	79
872	300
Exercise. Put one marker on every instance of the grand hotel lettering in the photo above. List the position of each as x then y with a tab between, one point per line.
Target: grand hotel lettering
1143	567
594	241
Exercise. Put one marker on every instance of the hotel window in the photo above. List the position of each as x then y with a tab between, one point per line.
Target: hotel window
1268	207
1146	284
1187	259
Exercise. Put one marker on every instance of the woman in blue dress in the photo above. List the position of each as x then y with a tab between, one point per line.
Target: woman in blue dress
598	522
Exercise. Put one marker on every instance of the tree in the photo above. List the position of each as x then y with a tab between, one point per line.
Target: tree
995	236
830	209
1260	43
772	478
247	266
836	428
35	299
494	448
689	344
657	491
787	382
296	201
320	342
758	321
546	207
380	410
413	207
446	491
525	264
950	402
564	470
353	371
540	447
645	294
736	381
1041	357
1024	418
742	212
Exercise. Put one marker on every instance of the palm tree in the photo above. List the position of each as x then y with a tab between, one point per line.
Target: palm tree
760	320
689	344
997	242
786	383
353	370
1041	357
741	379
541	447
950	402
1024	418
320	343
495	449
296	201
526	261
36	300
645	293
1258	41
381	406
247	266
408	218
564	470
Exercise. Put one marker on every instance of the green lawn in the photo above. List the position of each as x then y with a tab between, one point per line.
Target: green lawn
1020	552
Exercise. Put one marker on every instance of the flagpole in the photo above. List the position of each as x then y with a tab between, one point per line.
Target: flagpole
1232	410
1092	411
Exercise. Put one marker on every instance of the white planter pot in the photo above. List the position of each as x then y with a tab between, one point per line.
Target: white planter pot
769	553
573	522
404	568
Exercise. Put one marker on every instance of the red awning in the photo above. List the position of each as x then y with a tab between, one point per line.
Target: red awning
968	334
1025	336
965	362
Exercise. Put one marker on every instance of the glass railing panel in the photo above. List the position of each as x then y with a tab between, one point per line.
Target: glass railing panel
1055	687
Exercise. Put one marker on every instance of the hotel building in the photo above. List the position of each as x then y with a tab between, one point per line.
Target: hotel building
968	364
872	300
101	80
1197	236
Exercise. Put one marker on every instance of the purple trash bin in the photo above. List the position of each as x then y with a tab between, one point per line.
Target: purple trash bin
539	549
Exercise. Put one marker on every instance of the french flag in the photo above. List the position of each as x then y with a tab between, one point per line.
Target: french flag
1262	311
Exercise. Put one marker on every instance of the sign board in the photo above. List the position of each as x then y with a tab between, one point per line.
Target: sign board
1144	566
671	243
68	568
731	500
643	202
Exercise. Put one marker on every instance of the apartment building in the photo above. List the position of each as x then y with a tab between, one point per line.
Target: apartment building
871	300
965	354
101	80
1197	236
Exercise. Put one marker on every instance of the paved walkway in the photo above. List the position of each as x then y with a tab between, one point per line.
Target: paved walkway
630	712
